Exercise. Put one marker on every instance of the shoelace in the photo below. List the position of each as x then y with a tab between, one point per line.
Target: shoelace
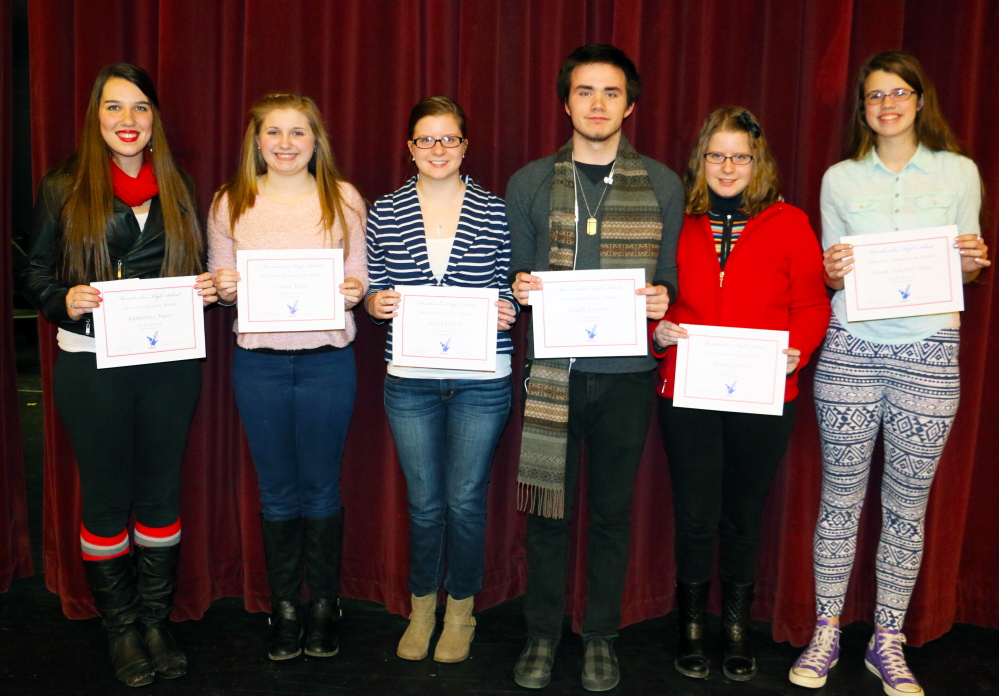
890	652
819	649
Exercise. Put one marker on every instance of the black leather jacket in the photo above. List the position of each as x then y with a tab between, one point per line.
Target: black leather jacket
134	253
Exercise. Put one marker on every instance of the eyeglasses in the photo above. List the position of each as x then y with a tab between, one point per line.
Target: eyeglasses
447	141
719	158
896	96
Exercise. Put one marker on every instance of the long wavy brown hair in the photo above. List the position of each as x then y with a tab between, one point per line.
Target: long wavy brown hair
764	183
932	129
242	190
89	201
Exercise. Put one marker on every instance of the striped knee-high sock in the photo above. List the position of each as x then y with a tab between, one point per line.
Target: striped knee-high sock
98	548
157	537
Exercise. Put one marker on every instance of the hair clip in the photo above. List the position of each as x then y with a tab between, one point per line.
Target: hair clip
746	120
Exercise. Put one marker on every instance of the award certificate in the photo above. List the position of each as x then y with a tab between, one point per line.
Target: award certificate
149	321
903	274
726	369
290	290
585	314
446	327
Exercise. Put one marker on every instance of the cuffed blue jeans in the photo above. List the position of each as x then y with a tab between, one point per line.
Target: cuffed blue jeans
296	410
445	434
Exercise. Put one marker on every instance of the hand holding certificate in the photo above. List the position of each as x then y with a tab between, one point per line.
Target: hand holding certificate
581	314
903	274
720	368
148	321
445	327
290	290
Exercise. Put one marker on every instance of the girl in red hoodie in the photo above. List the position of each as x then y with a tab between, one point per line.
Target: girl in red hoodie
746	259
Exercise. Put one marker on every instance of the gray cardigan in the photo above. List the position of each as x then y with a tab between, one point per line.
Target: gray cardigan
527	210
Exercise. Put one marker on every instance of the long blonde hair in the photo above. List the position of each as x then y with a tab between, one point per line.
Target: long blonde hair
242	190
89	202
764	183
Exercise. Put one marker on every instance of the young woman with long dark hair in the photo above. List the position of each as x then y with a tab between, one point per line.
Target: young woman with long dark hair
121	208
898	376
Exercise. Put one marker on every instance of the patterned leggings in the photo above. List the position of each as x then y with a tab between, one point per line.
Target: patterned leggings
913	390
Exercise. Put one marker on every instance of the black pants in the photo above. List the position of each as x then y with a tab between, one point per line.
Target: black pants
609	413
721	466
129	427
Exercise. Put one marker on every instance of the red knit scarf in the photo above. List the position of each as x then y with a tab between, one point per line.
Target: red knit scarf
134	191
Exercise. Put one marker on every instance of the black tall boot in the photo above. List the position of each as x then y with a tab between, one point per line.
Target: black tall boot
283	554
323	547
692	606
157	581
737	600
116	599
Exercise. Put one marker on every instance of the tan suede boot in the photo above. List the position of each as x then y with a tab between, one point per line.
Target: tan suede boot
459	629
416	640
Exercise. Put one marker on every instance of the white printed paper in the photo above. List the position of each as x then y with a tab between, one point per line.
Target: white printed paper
290	290
148	321
904	274
446	327
583	314
720	368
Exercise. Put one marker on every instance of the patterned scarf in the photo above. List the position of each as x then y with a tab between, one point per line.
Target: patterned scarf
630	232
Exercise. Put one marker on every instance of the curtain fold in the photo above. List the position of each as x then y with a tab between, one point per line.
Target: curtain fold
15	550
366	62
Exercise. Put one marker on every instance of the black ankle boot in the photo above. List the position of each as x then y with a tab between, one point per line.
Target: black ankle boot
283	554
692	604
323	545
737	600
157	581
115	597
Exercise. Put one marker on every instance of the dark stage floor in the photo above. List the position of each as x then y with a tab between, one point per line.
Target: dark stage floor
42	652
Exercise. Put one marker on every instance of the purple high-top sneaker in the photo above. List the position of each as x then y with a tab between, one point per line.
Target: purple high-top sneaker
822	653
885	659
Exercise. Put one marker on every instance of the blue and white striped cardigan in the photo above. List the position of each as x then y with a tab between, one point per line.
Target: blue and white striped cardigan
480	256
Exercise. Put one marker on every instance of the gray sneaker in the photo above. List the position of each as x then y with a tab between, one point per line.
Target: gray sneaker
600	668
534	666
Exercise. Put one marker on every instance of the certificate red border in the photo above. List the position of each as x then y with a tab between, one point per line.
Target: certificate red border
489	331
249	294
856	281
194	331
553	346
772	381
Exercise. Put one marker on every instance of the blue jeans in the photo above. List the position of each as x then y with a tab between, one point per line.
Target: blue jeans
296	410
445	434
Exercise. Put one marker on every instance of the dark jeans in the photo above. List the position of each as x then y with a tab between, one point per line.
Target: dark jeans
721	466
609	413
296	411
129	427
445	432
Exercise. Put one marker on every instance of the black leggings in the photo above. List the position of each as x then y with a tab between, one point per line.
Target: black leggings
721	466
129	427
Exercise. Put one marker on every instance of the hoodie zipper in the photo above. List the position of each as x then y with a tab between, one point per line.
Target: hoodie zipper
726	248
119	269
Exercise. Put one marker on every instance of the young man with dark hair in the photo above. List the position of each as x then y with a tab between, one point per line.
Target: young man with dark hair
594	204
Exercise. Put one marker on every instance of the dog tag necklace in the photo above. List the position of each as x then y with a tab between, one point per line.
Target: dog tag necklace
591	219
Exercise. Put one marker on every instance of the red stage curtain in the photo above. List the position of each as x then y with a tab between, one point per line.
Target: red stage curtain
366	63
15	552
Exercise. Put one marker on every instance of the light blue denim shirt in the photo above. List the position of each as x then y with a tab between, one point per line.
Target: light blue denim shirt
865	197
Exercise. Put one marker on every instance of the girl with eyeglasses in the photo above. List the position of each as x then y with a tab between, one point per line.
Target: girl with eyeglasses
295	389
906	171
442	229
745	259
120	207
